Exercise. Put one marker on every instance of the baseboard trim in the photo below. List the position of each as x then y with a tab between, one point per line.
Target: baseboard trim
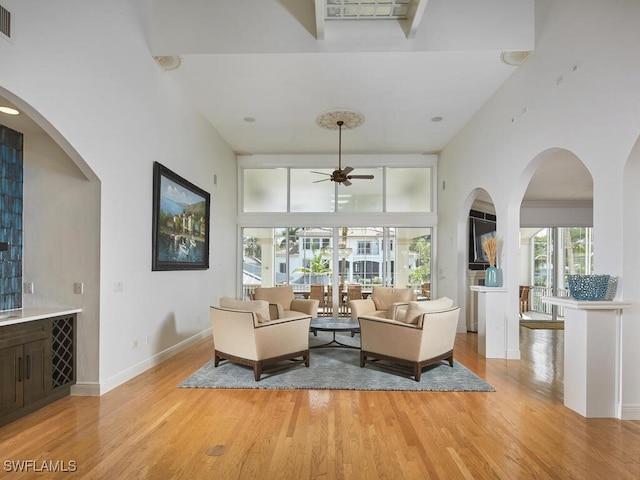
513	355
630	412
86	389
96	389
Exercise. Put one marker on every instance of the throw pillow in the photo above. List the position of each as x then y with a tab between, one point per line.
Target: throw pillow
415	309
259	307
398	311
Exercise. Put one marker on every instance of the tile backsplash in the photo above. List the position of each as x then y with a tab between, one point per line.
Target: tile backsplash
11	181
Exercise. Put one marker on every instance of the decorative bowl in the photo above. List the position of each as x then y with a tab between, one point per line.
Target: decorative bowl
588	287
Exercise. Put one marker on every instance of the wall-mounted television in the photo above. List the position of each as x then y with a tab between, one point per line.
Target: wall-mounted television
480	229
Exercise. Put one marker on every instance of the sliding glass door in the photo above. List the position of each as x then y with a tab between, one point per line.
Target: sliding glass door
343	260
557	252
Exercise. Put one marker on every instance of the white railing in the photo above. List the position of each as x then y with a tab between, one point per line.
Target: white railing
537	305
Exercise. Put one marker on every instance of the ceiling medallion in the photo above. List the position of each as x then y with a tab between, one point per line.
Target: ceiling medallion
349	119
515	58
169	62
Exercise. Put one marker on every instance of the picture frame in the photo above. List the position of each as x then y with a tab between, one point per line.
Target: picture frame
181	214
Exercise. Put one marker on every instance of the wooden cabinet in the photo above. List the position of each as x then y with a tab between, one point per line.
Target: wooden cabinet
11	389
25	375
37	364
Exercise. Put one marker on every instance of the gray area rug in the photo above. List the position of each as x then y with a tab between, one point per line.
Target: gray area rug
338	369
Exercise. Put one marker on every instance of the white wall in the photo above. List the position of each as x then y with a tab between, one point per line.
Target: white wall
592	113
62	241
579	215
85	68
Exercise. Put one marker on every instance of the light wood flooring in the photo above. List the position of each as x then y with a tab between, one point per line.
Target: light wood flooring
148	428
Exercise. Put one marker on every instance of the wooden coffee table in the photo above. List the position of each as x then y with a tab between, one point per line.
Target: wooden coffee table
334	325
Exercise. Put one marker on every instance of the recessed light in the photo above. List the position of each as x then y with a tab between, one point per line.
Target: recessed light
249	119
9	111
436	119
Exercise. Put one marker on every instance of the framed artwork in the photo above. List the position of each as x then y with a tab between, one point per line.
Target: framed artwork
180	222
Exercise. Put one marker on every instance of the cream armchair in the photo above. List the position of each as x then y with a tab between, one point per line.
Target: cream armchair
426	336
384	302
282	302
244	333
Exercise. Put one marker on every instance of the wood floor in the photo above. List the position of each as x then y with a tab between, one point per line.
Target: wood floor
148	428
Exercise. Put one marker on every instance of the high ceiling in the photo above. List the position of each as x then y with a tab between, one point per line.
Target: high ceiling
281	63
261	71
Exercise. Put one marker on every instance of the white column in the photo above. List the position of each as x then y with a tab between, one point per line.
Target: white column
492	321
591	356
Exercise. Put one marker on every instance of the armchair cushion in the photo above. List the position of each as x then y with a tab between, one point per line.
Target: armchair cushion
385	302
282	300
259	307
282	295
385	297
415	310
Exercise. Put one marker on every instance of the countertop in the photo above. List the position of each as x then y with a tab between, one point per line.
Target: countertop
21	315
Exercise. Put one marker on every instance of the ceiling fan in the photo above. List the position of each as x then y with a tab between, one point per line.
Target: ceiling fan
341	175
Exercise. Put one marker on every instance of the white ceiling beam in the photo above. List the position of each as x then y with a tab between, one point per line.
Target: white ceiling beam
414	17
320	9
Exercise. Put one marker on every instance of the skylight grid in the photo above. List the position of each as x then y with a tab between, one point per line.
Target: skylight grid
366	9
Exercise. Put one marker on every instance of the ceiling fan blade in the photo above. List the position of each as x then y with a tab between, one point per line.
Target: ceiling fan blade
323	180
368	177
346	183
321	173
347	170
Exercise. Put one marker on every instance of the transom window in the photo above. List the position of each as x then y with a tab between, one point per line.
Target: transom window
309	190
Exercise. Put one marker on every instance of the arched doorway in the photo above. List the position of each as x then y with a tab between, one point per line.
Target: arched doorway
61	222
556	216
480	221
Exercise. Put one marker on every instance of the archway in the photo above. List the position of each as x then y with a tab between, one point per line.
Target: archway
61	225
477	218
556	216
556	194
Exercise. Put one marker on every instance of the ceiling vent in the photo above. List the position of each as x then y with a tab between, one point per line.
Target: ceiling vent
5	23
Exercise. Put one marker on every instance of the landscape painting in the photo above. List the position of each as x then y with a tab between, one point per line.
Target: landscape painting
180	222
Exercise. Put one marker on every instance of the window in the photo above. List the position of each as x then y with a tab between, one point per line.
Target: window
308	190
361	257
574	256
368	248
408	190
265	190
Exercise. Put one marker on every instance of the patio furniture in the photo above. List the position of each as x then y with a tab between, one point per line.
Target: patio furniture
316	292
524	298
247	336
354	292
329	303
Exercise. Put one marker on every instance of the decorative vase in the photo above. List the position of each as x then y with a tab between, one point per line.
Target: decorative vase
492	277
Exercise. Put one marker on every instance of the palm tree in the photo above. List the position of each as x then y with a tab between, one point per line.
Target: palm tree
318	265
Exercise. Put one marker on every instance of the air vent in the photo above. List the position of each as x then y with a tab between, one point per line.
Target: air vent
5	22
